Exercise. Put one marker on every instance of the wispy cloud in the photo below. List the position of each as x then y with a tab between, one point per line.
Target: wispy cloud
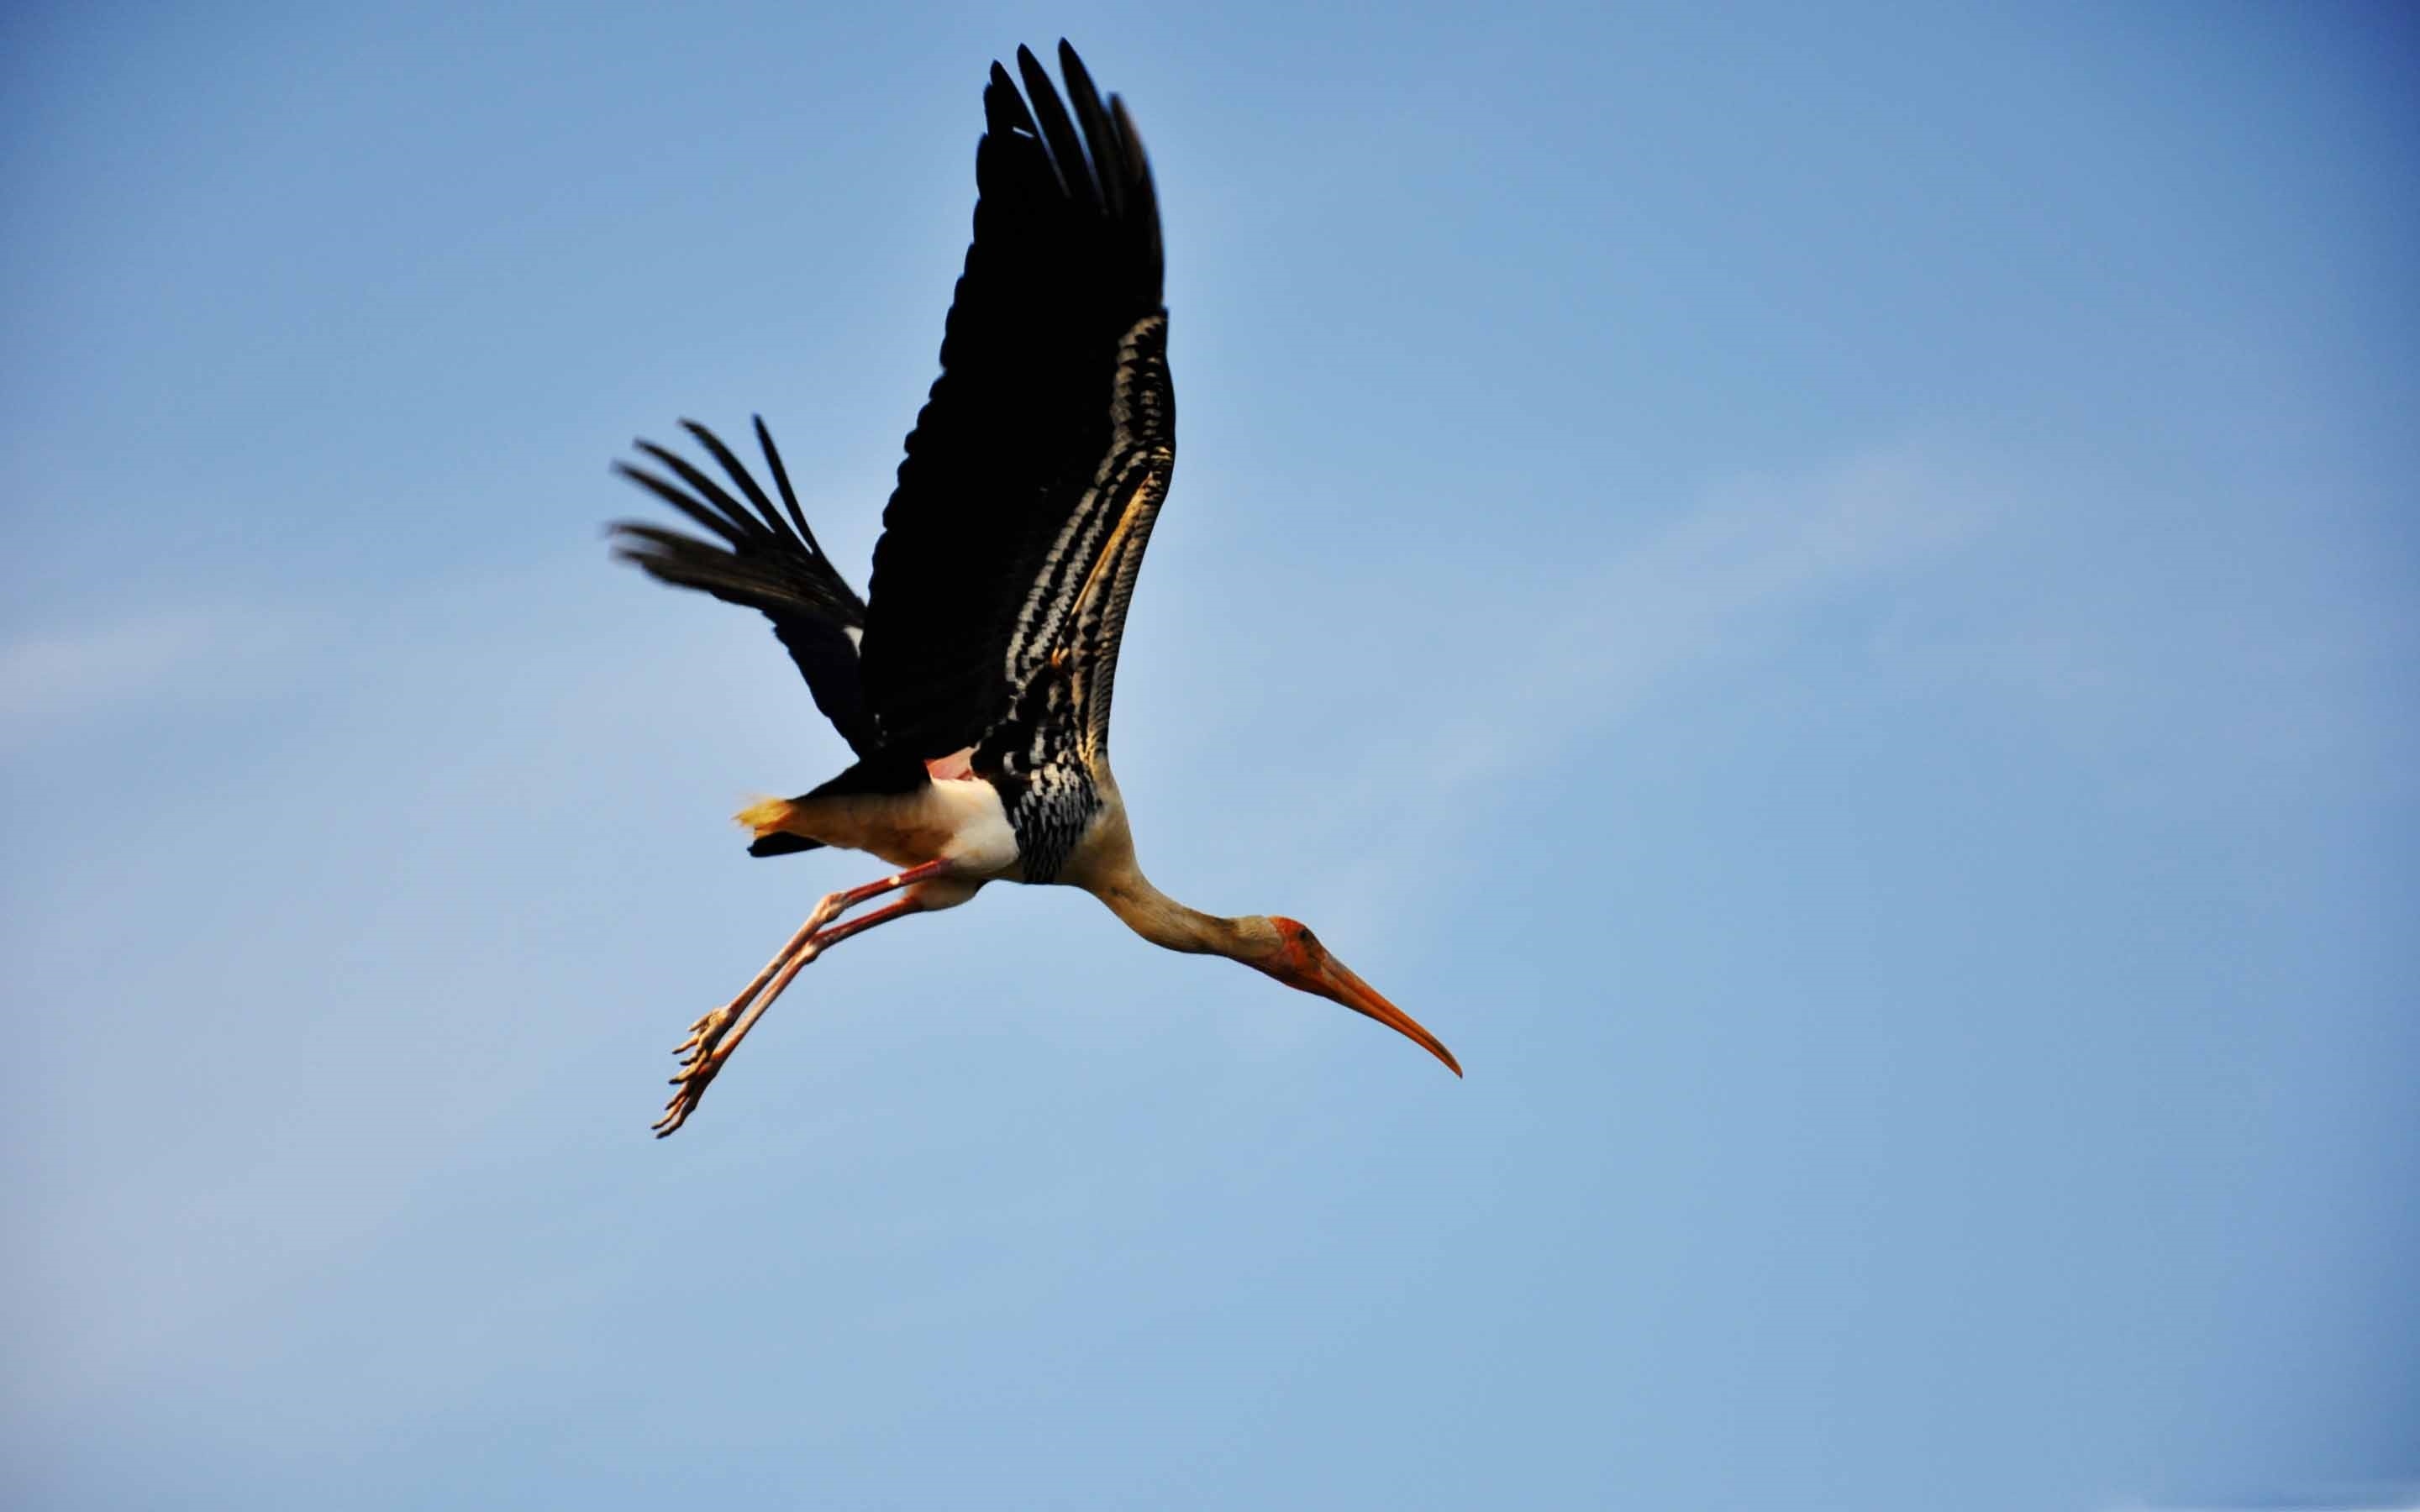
1725	575
1721	586
58	678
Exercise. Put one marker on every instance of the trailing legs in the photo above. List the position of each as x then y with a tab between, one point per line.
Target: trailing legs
712	1037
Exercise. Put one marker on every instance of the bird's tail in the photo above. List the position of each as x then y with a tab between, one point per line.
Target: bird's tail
780	824
767	816
771	819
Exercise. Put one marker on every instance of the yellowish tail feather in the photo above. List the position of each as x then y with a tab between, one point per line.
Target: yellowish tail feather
767	816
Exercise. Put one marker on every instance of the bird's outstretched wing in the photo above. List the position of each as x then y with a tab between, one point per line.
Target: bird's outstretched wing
759	559
1010	547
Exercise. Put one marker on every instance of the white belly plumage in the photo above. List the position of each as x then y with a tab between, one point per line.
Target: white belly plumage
982	844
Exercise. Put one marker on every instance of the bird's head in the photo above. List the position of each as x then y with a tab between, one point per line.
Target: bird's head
1288	950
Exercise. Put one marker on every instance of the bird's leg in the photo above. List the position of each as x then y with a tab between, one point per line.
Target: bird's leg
712	1037
708	1049
833	906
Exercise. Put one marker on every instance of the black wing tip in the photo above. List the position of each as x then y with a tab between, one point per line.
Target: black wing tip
1068	62
1071	68
749	556
1089	144
1062	140
781	481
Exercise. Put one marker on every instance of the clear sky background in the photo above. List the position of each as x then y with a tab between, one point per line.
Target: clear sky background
1831	594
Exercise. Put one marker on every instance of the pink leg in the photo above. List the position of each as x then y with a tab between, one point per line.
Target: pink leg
833	906
713	1037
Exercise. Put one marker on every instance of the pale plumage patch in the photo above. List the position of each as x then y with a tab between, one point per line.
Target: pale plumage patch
767	816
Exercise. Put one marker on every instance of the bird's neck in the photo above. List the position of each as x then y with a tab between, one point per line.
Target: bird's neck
1170	924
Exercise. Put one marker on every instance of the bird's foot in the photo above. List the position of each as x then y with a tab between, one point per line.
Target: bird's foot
712	1037
709	1044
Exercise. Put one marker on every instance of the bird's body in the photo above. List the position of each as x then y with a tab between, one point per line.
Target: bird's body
975	681
962	819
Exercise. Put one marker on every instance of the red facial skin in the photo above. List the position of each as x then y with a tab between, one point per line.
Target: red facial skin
1304	963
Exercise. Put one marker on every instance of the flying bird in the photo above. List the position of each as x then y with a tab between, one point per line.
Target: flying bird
973	681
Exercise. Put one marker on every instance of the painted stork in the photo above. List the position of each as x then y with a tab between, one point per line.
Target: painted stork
973	680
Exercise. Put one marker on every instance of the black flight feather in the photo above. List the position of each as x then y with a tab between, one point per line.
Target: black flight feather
1019	425
739	474
757	561
782	478
1032	474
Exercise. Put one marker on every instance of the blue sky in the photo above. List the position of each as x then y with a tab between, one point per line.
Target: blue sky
1831	598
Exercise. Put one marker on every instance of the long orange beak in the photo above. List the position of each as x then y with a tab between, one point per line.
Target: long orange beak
1321	973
